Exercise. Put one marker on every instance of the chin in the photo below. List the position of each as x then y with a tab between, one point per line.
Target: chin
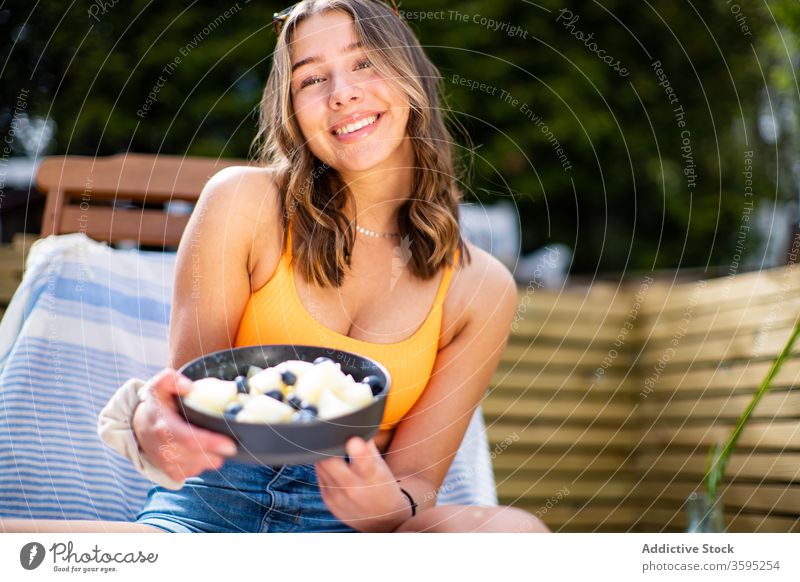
360	161
358	166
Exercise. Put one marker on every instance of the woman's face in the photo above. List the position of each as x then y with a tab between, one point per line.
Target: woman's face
351	117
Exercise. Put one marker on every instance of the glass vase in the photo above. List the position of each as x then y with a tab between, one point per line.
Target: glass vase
705	515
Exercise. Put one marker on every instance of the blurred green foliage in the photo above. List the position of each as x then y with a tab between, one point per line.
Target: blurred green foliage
621	199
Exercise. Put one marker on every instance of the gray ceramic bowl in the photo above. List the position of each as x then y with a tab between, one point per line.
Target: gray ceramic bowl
287	443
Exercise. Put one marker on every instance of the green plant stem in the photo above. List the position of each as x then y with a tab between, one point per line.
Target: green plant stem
718	458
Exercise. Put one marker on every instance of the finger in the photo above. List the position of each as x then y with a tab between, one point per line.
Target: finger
183	470
327	494
363	459
214	461
180	465
326	463
201	462
214	443
169	383
323	477
338	473
326	490
173	427
193	437
182	385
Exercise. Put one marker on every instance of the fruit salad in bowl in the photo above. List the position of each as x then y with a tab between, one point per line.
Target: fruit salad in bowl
292	391
286	404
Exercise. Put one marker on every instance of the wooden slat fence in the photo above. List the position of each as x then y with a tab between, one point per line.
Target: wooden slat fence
607	400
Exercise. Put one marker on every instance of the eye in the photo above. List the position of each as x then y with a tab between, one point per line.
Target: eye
311	81
363	64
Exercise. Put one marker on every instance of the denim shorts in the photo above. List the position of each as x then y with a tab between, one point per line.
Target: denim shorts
241	497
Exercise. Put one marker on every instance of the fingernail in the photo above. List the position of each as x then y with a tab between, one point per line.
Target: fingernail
227	448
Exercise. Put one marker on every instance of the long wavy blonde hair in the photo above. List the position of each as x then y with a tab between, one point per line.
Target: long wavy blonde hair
314	195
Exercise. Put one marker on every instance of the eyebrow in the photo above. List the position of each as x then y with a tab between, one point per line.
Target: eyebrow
308	60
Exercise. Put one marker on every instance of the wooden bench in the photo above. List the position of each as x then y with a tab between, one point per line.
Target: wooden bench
607	397
123	197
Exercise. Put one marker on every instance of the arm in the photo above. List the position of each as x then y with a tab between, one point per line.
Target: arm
429	436
212	285
365	494
215	259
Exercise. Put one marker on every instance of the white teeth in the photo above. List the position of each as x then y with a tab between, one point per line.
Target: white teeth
357	125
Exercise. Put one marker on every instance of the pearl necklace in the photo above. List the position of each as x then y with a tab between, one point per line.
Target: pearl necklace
372	233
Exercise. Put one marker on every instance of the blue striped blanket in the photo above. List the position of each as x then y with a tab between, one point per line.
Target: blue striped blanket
84	320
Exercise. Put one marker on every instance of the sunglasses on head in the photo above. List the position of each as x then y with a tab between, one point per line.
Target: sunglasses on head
279	18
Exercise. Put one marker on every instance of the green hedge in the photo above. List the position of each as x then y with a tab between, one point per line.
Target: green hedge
571	121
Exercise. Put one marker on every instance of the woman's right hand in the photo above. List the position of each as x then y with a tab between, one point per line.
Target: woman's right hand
176	447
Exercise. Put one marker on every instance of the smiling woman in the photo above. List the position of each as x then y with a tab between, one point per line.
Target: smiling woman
339	65
346	237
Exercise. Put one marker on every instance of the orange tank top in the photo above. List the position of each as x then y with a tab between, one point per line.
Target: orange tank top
274	314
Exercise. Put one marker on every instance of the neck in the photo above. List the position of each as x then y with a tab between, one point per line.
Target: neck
378	194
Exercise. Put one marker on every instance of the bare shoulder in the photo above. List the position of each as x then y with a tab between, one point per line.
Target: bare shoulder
244	202
246	190
489	280
482	290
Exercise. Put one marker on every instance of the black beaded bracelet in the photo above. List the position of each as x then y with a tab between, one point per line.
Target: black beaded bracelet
411	501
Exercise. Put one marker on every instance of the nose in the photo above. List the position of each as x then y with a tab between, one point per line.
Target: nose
344	92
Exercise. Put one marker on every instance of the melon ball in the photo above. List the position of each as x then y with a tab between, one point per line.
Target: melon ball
355	393
212	394
322	376
265	381
263	408
331	406
296	367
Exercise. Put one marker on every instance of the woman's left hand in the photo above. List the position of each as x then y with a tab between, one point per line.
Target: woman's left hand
363	494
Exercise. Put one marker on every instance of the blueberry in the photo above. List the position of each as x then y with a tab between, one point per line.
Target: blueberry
375	384
321	359
310	408
288	378
276	394
304	416
294	402
232	410
241	385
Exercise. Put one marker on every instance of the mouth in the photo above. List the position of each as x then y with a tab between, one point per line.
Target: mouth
358	129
